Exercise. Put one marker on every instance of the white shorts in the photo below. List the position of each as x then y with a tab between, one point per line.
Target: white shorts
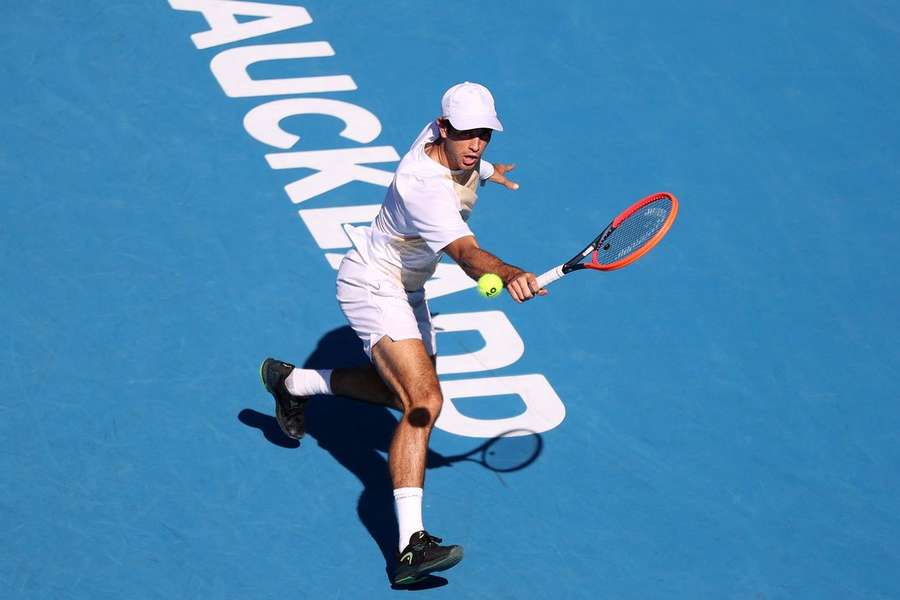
376	306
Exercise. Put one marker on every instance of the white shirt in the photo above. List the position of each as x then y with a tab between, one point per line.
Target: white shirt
426	208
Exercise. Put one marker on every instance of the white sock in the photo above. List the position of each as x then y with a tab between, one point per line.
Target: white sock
309	382
408	502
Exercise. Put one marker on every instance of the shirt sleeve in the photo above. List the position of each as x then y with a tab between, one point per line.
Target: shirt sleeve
485	170
432	210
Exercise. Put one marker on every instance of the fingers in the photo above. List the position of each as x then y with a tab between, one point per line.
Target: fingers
524	287
500	170
534	287
510	185
502	180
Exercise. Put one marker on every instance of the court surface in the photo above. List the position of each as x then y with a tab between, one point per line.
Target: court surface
732	427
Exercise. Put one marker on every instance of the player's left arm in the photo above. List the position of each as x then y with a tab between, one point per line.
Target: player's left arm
498	173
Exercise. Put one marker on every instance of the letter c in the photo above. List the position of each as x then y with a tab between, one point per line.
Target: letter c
263	121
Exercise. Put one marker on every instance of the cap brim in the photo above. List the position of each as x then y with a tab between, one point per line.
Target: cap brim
463	122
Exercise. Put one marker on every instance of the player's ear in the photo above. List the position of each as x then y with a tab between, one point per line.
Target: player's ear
443	125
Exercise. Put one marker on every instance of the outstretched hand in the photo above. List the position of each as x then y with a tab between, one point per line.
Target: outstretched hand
499	176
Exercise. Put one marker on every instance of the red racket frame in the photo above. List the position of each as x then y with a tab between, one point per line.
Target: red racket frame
648	245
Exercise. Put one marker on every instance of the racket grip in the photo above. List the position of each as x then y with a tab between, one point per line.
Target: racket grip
550	276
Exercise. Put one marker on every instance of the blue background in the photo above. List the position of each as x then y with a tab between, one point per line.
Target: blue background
732	399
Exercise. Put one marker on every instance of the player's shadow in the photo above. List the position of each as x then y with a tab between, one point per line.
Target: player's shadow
357	435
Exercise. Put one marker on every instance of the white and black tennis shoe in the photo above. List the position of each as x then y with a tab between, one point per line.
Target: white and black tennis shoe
424	555
289	409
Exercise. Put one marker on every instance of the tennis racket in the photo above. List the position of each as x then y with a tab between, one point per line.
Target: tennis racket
630	236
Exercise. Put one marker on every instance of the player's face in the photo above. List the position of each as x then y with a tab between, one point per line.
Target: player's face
464	148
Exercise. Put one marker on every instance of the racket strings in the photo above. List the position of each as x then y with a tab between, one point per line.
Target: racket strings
635	231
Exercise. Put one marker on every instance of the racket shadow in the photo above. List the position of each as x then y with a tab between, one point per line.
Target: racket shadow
507	452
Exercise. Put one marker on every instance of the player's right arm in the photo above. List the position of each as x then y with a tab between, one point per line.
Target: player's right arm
433	212
475	261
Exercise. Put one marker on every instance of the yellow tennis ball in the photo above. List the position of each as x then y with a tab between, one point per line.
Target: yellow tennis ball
489	285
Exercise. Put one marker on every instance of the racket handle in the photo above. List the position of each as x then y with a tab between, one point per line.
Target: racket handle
550	276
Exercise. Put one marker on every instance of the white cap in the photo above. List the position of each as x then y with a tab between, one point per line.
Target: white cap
470	106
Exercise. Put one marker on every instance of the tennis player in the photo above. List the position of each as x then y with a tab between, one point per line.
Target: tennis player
380	288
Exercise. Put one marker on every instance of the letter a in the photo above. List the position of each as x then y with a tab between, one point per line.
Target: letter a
224	28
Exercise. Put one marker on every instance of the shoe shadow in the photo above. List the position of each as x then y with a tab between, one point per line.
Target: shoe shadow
357	435
268	426
430	582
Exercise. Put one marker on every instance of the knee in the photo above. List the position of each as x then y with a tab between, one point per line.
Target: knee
424	409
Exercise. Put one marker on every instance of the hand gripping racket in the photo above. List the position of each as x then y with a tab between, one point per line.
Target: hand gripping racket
630	236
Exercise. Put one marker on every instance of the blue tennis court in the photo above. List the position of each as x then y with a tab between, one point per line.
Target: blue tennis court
719	420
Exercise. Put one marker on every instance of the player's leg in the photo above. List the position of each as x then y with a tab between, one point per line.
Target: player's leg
408	370
365	384
360	383
292	388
